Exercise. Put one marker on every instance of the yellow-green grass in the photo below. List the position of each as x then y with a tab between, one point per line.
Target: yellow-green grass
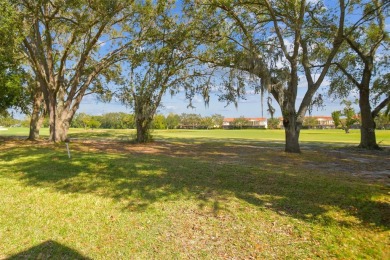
317	136
183	199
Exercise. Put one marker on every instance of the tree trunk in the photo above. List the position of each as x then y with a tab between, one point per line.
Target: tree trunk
37	116
59	119
367	128
143	134
62	127
51	105
35	126
292	130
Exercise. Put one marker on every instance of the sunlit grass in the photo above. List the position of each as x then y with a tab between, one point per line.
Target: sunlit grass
187	199
318	136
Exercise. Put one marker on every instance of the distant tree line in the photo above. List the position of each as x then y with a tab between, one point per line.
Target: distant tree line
55	52
121	120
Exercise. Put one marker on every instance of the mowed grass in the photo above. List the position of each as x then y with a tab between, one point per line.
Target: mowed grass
316	136
193	194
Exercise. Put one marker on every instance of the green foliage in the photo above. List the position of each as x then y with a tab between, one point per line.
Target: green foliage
240	122
273	123
207	122
217	120
310	122
349	114
8	121
172	121
10	27
362	64
11	76
382	121
117	121
163	61
381	92
261	45
190	120
11	89
159	122
79	120
76	51
336	118
93	123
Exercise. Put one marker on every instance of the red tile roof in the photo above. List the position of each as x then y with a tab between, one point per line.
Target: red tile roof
230	119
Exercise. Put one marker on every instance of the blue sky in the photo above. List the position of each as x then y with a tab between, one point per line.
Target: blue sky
251	107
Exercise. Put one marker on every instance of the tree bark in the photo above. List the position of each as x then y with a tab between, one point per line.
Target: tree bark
367	128
59	121
37	116
35	126
52	118
292	130
143	127
61	127
143	120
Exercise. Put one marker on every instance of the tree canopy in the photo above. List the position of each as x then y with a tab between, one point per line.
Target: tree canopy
73	47
11	75
162	61
272	43
363	58
138	51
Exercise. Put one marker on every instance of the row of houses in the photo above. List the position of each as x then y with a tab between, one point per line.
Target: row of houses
323	122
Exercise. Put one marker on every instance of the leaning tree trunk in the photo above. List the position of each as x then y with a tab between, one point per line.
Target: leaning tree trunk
35	126
37	116
367	129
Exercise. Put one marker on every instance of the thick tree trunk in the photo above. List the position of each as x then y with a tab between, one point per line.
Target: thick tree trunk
37	116
62	127
52	119
144	110
292	130
35	126
59	120
143	127
367	129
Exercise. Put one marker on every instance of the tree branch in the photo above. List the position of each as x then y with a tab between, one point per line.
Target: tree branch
382	105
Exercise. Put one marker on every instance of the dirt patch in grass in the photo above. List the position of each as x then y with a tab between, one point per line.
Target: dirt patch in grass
371	164
368	164
198	199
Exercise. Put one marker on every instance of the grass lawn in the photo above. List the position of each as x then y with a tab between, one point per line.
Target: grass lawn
194	194
327	136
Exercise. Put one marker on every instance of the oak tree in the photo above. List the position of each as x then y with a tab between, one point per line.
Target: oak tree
274	42
161	62
73	47
364	58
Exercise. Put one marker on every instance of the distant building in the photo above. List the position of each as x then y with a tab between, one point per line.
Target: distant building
322	122
316	122
259	122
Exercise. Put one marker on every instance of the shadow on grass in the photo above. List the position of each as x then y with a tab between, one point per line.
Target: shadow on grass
49	250
210	174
